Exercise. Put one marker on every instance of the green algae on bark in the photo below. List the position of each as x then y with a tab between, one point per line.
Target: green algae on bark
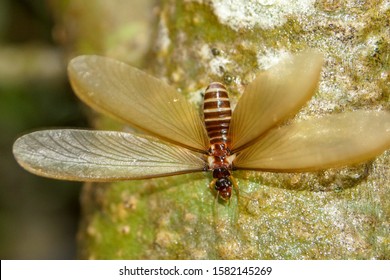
333	214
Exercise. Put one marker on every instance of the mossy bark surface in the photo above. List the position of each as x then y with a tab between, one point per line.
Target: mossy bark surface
332	214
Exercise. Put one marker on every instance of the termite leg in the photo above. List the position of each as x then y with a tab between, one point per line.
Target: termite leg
212	185
235	186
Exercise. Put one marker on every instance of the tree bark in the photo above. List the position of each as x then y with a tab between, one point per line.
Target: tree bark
333	214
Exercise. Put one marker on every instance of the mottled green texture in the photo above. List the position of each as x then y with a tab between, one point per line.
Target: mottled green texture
334	214
160	218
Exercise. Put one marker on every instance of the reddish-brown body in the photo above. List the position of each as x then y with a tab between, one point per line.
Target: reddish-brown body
217	115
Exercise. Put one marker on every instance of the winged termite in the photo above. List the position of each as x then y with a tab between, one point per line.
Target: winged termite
181	141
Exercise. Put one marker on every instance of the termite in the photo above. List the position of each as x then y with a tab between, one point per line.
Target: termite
252	136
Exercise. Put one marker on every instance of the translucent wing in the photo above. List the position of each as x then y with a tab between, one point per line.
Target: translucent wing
133	96
84	155
314	144
274	96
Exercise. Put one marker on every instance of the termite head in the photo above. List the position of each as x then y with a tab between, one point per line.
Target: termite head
224	188
223	184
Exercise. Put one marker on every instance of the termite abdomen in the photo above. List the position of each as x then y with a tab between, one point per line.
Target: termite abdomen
217	113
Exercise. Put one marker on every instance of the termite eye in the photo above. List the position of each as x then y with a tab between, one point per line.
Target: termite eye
223	184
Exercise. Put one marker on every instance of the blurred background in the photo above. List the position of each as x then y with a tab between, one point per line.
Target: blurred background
38	216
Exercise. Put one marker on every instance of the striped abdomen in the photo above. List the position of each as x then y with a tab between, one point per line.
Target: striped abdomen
217	113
